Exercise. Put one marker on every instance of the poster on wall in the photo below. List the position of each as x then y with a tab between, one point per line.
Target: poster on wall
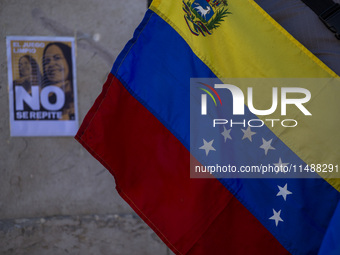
42	86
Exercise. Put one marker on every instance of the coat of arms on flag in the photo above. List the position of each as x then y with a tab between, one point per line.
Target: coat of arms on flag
203	16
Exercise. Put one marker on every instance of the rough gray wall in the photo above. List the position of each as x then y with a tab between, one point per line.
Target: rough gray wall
55	198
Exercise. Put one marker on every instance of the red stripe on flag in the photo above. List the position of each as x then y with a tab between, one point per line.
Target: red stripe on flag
152	172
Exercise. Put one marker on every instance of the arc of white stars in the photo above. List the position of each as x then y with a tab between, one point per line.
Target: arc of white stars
283	192
276	217
247	133
207	146
267	146
226	134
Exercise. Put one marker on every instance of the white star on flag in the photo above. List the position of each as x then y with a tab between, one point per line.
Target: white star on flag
226	134
207	146
283	192
276	217
248	134
266	146
281	166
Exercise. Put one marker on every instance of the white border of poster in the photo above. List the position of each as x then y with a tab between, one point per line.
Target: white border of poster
42	86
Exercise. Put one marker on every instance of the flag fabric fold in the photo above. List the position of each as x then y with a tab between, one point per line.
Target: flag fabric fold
139	129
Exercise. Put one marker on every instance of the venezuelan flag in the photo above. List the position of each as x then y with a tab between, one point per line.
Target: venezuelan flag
139	129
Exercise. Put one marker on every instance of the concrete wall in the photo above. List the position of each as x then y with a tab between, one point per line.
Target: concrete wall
55	198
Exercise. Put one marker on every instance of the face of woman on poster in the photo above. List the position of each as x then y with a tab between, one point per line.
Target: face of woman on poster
25	68
55	64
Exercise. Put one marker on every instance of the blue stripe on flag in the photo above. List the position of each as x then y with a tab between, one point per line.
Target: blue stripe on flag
164	64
